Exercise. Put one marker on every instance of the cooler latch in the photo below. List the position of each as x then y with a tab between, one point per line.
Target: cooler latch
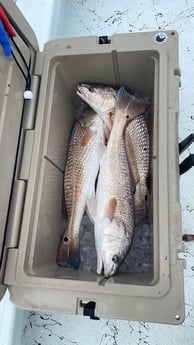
103	40
89	309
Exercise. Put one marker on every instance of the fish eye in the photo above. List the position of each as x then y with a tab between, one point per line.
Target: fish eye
66	239
115	259
127	116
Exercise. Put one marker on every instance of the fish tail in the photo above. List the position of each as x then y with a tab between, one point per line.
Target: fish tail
140	210
68	252
142	192
74	257
131	104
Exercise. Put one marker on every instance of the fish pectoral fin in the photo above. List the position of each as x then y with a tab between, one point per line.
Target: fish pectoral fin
108	125
91	206
68	253
110	208
88	136
140	211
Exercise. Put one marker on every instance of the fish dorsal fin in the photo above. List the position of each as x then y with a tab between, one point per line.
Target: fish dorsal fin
129	103
89	134
111	208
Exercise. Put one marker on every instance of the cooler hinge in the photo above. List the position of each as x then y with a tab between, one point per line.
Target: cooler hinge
22	167
15	214
30	105
27	132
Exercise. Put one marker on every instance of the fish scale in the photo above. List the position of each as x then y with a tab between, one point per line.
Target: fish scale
114	177
137	147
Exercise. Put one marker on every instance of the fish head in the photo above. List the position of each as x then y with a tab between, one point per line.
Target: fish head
101	98
114	247
88	118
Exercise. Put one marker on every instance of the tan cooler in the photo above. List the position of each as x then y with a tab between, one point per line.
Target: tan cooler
34	137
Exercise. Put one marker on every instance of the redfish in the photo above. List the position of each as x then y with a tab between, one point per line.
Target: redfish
114	221
85	149
102	99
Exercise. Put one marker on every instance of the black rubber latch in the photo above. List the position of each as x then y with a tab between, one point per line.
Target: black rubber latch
89	310
103	40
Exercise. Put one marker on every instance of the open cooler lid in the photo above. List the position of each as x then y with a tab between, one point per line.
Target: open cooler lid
15	76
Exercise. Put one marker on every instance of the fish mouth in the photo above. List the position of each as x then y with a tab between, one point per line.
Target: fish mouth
86	99
81	95
104	116
109	272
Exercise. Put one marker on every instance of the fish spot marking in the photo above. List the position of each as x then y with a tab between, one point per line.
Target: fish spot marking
110	209
88	136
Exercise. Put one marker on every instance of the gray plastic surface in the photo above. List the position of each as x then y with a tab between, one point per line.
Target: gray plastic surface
149	69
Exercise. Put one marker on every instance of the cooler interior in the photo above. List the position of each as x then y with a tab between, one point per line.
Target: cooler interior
137	72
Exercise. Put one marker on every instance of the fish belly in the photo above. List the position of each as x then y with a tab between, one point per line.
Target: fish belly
115	182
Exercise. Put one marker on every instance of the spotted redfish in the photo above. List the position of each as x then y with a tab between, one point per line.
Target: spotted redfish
84	154
114	222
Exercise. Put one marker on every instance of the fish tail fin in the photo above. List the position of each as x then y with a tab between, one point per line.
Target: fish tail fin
142	192
63	251
140	210
131	104
141	202
68	252
74	256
